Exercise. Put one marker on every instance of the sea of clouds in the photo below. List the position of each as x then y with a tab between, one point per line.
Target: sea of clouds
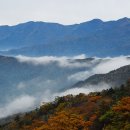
26	101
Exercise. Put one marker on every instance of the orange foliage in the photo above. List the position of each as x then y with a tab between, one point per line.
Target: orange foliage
65	121
124	105
95	98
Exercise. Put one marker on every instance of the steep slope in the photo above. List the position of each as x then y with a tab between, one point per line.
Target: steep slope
106	110
115	77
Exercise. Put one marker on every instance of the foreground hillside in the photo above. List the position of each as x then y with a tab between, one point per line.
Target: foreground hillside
106	110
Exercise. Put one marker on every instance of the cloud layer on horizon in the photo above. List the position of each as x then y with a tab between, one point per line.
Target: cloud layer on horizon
63	61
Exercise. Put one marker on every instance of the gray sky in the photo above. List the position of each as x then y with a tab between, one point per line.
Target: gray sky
62	11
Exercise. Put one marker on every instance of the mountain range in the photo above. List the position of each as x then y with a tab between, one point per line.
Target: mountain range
93	38
39	61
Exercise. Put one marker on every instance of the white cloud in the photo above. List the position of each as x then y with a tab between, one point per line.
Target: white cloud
82	56
62	61
80	76
110	64
19	104
45	90
86	89
49	95
101	65
25	103
39	60
105	66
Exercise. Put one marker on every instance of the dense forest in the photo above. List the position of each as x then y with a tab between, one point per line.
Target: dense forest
106	110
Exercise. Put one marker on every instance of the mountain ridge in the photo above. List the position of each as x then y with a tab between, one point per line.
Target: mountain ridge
94	38
114	78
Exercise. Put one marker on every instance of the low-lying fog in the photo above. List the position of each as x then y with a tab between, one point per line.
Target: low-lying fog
28	81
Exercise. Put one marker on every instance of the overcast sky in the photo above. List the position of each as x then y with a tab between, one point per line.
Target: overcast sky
62	11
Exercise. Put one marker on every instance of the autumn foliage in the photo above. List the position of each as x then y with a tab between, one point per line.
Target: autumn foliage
106	110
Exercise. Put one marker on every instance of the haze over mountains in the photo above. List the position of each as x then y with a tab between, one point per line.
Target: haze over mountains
60	60
115	78
28	81
93	38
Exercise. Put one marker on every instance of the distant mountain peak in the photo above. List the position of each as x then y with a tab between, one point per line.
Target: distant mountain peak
96	20
125	19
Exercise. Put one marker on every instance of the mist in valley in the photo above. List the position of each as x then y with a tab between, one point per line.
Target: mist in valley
29	81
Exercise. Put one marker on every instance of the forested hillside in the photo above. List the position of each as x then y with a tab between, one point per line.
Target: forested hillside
106	110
